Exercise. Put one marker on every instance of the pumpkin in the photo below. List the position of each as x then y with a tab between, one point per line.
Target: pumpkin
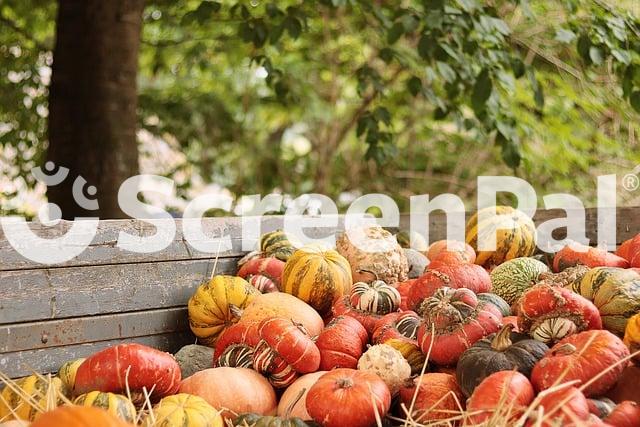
601	407
279	304
503	351
193	358
276	244
265	274
626	414
443	246
348	397
293	400
25	398
256	420
582	357
431	397
400	331
502	395
632	336
614	291
116	404
411	352
79	416
387	363
510	279
285	349
210	307
234	390
67	372
561	407
236	345
135	365
184	410
469	276
515	235
404	289
577	253
454	320
14	423
503	307
412	240
341	343
373	254
417	263
513	321
627	386
317	276
549	313
624	249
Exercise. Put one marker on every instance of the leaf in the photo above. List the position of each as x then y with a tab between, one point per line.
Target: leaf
501	26
433	20
621	55
595	53
382	115
410	23
481	91
386	54
414	85
583	46
293	26
511	153
395	32
565	36
634	99
424	47
445	70
468	5
518	67
538	95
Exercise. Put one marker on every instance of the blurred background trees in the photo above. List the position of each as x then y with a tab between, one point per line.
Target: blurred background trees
348	97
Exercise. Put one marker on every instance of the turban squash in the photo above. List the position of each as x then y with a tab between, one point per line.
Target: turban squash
400	331
236	345
265	274
510	279
577	253
341	343
368	302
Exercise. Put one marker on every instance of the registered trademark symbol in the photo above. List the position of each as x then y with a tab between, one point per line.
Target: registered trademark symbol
630	182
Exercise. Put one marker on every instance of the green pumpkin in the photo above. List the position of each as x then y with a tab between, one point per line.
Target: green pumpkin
276	244
510	279
255	420
496	301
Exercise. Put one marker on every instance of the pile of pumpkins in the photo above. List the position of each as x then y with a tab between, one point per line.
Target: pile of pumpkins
383	330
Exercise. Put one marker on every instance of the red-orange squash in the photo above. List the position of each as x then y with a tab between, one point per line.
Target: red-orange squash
624	250
233	390
78	416
341	343
626	414
564	406
404	289
627	386
441	247
348	397
265	274
293	401
236	345
582	357
432	397
503	394
576	253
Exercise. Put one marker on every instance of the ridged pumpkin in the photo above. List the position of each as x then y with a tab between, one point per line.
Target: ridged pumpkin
341	343
115	404
515	235
510	279
400	331
434	396
317	276
626	414
447	246
577	253
184	410
67	372
497	302
615	292
210	310
79	416
502	390
236	345
35	395
632	336
562	407
276	244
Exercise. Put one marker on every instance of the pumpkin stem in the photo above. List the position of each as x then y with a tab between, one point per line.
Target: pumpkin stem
565	349
344	382
300	326
235	311
287	412
502	340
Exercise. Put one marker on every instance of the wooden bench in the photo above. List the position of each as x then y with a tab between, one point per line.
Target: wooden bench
51	314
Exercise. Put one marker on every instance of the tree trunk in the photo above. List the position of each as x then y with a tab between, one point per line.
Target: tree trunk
93	101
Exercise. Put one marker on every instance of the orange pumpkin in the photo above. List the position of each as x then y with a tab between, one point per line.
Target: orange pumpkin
293	401
341	343
562	407
627	386
78	416
451	246
626	414
576	253
508	390
436	397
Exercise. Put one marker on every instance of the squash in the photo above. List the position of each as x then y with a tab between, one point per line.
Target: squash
27	397
279	304
236	345
581	357
256	420
404	289
576	253
79	416
265	274
115	404
400	331
293	400
601	407
387	363
410	351
560	407
515	235
135	365
501	396
549	313
454	320
632	336
510	279
626	414
443	246
499	303
184	410
210	307
627	386
417	263
341	343
615	292
624	249
503	351
412	240
233	390
348	397
67	372
431	397
276	244
193	358
374	254
317	276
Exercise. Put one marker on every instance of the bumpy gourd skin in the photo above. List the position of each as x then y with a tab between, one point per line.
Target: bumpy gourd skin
341	343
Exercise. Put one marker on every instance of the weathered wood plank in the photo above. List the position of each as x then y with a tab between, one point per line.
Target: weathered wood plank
23	363
57	293
82	330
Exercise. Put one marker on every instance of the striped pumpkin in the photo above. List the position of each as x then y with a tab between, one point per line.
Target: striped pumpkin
497	302
266	361
116	404
375	297
317	276
67	372
511	278
515	235
184	410
614	291
276	244
236	356
210	308
30	396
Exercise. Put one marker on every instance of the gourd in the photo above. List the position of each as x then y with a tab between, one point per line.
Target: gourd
501	390
276	244
26	397
417	263
434	396
632	336
400	331
577	253
193	358
582	357
78	416
626	414
67	372
341	343
184	410
454	320
293	400
210	310
560	407
443	246
317	276
388	364
256	420
515	235
510	279
627	386
549	313
373	254
236	345
503	351
348	397
116	404
412	240
265	274
497	302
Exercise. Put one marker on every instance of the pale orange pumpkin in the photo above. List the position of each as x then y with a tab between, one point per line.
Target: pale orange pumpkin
298	391
78	416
